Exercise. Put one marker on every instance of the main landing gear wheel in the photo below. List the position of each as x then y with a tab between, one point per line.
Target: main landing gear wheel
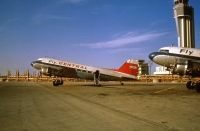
193	85
190	85
97	78
197	86
57	82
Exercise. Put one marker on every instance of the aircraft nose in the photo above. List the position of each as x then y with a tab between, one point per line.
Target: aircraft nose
152	55
33	63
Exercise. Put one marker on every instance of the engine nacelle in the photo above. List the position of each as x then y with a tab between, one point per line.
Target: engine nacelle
191	69
46	71
180	69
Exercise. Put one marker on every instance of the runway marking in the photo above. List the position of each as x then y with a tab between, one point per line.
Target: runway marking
164	90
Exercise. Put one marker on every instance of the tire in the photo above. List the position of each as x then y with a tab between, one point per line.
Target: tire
61	82
55	83
189	85
197	87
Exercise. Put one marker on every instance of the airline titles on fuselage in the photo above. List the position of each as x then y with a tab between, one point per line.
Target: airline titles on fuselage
66	64
186	51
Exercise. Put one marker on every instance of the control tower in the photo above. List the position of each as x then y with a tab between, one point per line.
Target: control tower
184	18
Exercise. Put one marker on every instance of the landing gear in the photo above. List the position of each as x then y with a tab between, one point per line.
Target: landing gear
190	85
58	82
197	87
121	83
193	85
97	78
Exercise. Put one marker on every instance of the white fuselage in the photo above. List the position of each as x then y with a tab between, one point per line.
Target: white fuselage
170	56
69	69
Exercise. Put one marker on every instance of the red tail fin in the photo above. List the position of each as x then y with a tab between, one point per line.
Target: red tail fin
129	67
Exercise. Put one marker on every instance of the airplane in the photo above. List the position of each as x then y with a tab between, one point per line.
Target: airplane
59	68
181	61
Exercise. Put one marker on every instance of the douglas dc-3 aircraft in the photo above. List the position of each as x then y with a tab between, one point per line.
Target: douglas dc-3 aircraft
181	61
58	68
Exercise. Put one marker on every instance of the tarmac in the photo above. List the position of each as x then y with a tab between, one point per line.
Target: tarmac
80	106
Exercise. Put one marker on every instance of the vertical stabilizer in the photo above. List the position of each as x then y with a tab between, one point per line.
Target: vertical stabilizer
130	67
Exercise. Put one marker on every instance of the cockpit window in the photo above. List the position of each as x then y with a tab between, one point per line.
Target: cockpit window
165	51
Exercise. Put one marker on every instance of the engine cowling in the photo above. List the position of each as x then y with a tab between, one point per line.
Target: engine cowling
180	69
191	68
46	71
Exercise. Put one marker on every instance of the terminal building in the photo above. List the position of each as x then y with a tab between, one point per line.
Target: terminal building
161	70
143	67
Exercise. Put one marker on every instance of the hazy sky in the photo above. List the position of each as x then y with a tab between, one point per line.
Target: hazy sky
101	33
